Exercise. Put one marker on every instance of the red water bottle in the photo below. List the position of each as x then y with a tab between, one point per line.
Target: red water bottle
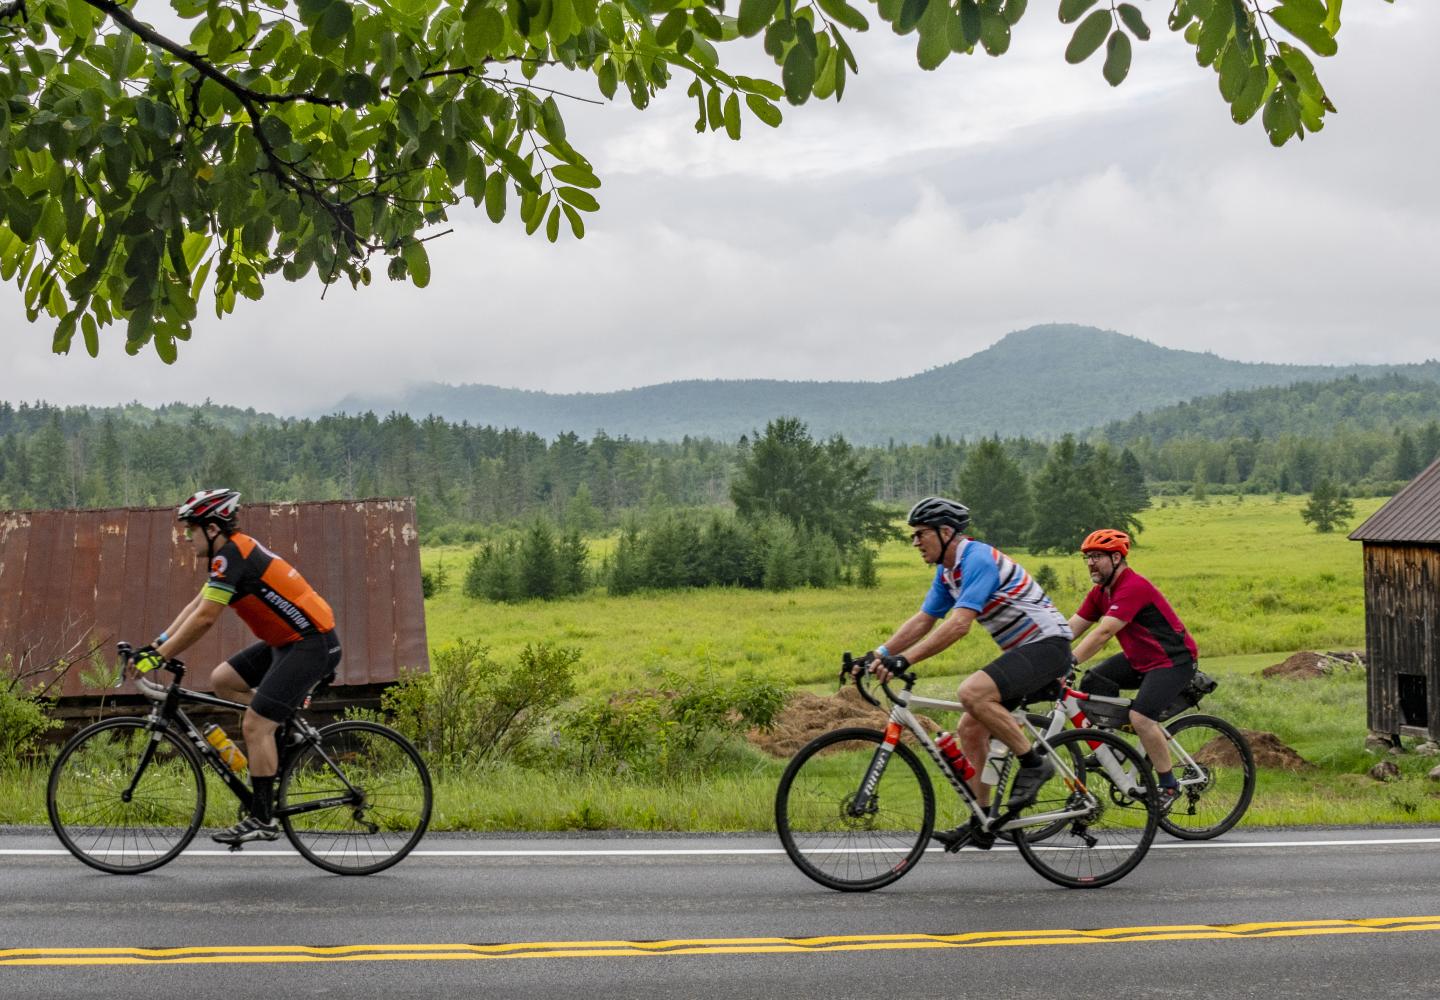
950	748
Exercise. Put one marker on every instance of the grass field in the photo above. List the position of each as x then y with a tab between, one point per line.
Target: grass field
1251	580
1247	577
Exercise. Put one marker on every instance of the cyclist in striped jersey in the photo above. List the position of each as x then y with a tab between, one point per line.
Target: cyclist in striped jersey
979	583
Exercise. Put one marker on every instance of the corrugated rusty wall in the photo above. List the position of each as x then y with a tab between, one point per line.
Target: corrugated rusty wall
75	579
1402	602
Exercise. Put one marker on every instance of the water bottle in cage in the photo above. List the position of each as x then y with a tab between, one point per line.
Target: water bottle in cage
994	762
950	749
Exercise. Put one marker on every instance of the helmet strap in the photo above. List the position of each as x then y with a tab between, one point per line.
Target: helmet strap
1114	569
945	549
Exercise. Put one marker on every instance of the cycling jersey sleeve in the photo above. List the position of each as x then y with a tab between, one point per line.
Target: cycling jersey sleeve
979	578
938	602
1091	609
224	580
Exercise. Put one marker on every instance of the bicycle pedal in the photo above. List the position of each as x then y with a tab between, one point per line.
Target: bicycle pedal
236	848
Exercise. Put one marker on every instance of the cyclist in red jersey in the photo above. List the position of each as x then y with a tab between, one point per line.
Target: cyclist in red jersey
297	649
1157	653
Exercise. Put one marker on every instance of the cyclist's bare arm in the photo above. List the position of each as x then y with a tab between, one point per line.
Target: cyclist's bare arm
193	622
185	612
949	632
1093	642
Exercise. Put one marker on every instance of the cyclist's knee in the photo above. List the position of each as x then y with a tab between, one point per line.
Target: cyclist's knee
256	724
225	679
977	689
1141	723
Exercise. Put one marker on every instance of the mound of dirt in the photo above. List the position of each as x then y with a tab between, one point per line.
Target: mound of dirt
807	716
1301	666
1267	749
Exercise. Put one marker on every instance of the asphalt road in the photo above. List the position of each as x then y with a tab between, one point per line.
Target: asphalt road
1318	913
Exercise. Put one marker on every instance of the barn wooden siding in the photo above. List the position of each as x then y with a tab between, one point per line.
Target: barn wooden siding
77	579
1401	608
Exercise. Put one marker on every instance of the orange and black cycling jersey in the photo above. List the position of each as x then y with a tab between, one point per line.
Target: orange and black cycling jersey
266	592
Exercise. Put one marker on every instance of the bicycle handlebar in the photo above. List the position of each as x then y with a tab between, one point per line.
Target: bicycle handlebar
128	656
852	669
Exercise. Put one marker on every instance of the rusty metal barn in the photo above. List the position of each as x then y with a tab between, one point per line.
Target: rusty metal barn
1402	607
73	582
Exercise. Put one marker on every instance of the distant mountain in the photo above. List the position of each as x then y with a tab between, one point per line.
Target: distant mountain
1305	409
1037	382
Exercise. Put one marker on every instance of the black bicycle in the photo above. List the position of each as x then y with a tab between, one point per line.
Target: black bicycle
127	795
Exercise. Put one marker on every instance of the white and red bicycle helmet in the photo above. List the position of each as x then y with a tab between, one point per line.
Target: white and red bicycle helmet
217	507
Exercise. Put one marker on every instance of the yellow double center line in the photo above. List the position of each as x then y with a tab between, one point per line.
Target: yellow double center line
239	954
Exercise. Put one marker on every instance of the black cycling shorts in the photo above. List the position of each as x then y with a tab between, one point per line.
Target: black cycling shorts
1158	687
1024	670
282	676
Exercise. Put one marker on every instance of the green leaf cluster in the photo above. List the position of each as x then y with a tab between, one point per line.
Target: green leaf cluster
1257	70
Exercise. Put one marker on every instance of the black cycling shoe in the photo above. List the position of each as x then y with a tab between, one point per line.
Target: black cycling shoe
246	830
968	835
1027	783
1168	796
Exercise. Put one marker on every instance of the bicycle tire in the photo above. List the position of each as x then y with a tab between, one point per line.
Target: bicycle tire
1106	845
1220	801
84	796
364	837
853	853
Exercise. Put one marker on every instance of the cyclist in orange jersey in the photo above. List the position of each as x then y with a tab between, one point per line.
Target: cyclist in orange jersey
297	649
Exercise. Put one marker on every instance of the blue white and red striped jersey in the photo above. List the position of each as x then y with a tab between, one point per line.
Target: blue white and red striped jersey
1008	602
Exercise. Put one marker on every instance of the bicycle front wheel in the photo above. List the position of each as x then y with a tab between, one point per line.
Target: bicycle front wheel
843	835
1113	833
357	800
1216	783
125	796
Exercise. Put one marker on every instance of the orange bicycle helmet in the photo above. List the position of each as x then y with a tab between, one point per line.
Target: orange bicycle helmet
1107	540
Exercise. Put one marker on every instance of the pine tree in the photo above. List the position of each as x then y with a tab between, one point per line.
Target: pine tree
994	489
1328	507
539	563
1407	459
1063	511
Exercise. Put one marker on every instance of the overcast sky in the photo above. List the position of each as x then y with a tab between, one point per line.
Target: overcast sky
917	222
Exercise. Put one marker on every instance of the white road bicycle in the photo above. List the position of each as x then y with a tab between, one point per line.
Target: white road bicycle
855	808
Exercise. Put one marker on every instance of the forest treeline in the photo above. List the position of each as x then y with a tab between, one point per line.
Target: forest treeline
1367	436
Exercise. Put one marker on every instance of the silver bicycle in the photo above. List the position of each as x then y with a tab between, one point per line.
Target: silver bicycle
855	808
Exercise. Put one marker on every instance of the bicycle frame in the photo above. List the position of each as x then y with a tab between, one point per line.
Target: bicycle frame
991	817
1069	706
168	714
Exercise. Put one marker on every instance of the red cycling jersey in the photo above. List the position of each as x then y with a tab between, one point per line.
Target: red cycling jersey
1154	636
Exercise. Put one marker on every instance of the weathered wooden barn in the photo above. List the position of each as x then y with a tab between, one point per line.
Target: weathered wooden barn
73	582
1402	609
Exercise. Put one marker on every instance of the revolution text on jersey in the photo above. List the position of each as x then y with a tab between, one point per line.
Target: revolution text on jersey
266	592
1011	606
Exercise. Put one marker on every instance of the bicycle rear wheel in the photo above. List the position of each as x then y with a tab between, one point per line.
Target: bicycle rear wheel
1112	837
834	839
1217	786
356	801
113	820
